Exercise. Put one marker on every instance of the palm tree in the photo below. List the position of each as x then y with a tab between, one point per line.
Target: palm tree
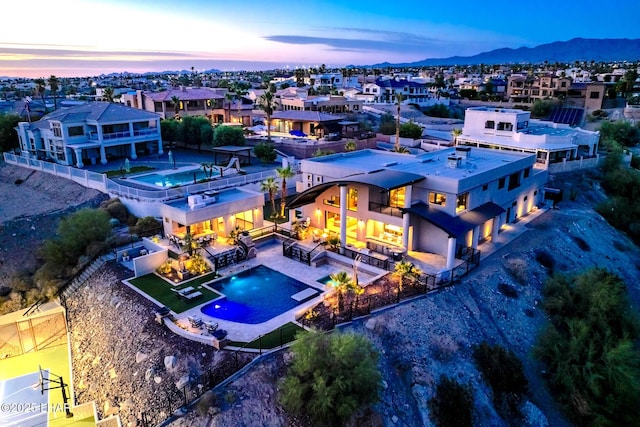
266	104
271	186
456	133
398	102
405	270
284	174
343	283
53	85
40	90
107	94
350	146
176	105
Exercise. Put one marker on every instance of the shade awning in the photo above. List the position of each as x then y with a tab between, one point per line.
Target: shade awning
455	226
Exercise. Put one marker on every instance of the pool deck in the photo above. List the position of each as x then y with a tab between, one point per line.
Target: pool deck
270	256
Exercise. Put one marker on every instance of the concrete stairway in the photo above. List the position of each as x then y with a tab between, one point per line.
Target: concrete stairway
83	277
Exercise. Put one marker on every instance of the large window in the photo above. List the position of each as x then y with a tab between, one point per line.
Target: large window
489	124
514	180
244	220
461	202
396	197
438	199
501	183
76	131
352	199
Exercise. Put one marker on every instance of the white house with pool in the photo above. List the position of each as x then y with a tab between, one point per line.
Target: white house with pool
438	203
510	129
91	133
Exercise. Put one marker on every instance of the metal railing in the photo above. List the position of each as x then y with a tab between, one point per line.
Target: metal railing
385	209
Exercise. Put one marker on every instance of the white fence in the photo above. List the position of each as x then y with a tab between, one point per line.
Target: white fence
100	182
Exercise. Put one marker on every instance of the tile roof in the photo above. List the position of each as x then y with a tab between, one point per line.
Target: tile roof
99	111
309	116
186	94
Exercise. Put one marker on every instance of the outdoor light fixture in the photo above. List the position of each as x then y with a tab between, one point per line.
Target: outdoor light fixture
58	383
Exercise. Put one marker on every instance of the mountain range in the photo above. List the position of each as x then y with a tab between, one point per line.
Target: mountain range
578	49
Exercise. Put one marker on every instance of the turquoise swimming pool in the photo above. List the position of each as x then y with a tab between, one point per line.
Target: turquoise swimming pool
256	295
174	179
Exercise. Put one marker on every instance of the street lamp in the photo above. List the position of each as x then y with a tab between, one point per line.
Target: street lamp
58	383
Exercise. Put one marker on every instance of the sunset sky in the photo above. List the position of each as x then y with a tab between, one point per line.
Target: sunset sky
89	37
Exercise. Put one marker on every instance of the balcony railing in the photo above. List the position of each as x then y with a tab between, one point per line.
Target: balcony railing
385	209
93	136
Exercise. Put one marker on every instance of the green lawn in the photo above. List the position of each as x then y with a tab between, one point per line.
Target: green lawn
161	291
284	334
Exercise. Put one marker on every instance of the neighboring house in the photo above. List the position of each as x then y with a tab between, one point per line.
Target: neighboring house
440	202
213	213
323	103
326	80
385	90
513	130
91	132
192	101
312	123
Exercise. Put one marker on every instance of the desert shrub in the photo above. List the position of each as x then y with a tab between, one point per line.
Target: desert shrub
503	371
588	348
545	259
444	346
208	401
518	269
116	209
584	246
331	377
437	110
265	151
146	226
387	124
452	404
507	290
410	130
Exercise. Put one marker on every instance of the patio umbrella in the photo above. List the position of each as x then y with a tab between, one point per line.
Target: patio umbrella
127	166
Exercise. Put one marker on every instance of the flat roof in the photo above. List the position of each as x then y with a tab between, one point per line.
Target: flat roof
432	163
224	196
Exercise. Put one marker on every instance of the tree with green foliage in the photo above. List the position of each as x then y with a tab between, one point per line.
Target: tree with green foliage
387	124
344	284
410	130
590	348
456	133
399	99
81	233
284	173
331	377
8	134
620	131
176	106
206	132
265	151
437	110
350	146
452	404
107	94
542	108
146	226
228	135
169	130
40	90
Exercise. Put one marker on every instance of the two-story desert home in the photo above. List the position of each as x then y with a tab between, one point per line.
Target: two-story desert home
92	132
190	101
440	202
514	130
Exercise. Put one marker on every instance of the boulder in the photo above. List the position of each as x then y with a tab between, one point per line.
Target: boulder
183	382
141	357
170	362
370	324
157	379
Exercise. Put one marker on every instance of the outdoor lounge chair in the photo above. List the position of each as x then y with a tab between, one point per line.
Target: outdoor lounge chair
220	334
210	326
193	295
195	321
183	292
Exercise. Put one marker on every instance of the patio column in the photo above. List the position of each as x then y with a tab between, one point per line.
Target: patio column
343	215
134	155
103	155
160	149
405	216
451	253
78	152
495	228
475	237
